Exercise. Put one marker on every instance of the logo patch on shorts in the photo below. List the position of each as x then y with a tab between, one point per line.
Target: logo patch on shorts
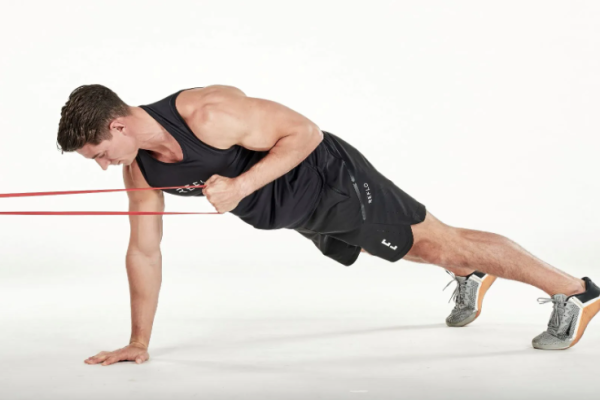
388	244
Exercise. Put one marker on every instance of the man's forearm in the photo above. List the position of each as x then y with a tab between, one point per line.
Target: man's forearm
287	153
145	276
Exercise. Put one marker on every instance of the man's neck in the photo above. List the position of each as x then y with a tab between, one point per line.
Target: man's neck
151	136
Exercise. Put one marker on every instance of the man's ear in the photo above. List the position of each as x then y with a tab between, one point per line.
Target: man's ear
117	125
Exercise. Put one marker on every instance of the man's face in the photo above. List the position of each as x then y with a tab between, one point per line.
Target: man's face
120	149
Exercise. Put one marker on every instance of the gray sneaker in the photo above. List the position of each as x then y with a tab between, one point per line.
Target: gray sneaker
570	316
468	297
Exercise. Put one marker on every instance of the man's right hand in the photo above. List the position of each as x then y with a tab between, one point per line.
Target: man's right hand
133	352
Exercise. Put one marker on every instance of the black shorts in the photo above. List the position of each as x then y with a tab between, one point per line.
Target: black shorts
359	208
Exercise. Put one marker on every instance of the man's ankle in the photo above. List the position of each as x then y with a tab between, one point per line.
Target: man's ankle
463	272
577	287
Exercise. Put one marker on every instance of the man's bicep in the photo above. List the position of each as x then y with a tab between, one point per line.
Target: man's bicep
269	122
254	123
146	230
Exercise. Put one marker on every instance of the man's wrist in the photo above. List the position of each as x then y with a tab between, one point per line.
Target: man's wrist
138	343
243	185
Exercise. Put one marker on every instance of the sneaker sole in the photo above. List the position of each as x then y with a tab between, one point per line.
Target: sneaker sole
588	312
486	282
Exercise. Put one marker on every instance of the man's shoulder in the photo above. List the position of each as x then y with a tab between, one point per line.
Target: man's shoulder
193	101
134	178
203	108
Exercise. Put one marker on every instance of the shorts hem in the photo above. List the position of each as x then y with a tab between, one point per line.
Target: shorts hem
407	247
351	258
422	213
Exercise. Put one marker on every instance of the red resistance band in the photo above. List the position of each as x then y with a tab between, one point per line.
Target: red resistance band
35	194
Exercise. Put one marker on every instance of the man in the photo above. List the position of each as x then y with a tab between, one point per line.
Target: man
274	168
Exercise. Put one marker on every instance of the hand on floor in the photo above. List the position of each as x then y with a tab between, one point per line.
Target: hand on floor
134	352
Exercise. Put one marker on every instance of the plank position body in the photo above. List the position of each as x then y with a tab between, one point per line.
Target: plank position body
276	169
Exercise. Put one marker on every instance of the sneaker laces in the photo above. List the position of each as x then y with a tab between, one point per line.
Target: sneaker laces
458	295
559	312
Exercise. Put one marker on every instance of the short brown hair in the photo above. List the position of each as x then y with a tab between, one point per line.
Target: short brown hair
86	115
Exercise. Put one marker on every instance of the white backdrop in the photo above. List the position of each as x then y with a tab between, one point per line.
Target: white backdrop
486	112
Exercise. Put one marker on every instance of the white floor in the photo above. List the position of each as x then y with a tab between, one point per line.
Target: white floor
265	331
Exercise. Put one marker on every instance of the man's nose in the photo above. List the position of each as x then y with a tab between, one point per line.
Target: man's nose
103	164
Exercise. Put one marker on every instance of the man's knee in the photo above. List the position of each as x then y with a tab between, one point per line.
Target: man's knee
427	251
432	241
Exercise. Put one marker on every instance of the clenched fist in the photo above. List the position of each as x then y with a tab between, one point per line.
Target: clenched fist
223	193
133	352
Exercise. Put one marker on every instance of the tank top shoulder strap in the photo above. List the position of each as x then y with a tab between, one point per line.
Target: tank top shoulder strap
165	113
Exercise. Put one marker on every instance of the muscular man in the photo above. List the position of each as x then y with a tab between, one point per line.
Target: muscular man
274	168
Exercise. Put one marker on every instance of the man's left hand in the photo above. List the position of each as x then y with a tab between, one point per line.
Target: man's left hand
223	193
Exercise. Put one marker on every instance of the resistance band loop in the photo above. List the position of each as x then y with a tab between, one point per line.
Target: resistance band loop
35	194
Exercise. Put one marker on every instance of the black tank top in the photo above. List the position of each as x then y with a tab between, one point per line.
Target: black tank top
284	203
